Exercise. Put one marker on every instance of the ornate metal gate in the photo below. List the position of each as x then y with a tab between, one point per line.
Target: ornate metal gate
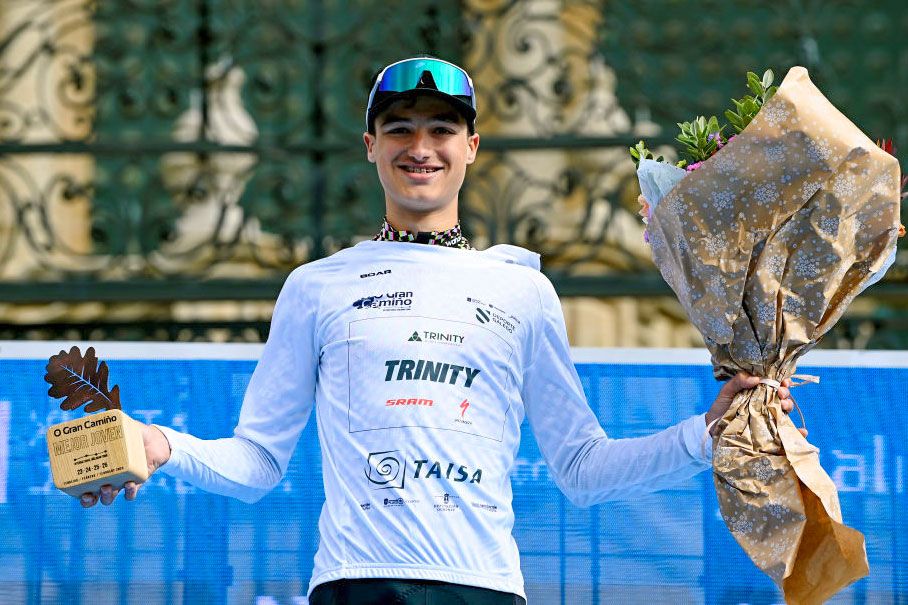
155	154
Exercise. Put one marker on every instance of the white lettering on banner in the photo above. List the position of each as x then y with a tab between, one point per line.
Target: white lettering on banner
147	416
850	472
527	471
269	600
850	475
4	448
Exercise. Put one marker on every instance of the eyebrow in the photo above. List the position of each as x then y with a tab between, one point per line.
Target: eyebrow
448	116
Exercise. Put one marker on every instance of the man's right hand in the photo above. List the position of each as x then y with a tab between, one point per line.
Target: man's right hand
157	453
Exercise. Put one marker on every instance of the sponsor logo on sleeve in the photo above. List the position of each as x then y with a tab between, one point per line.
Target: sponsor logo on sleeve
488	313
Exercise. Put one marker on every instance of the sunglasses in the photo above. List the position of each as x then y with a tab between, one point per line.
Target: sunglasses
410	74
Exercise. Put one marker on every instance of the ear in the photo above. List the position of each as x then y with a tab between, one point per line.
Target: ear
473	147
369	140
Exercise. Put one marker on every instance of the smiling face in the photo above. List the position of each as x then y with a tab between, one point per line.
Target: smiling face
421	148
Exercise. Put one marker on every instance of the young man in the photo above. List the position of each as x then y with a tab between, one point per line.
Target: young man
421	357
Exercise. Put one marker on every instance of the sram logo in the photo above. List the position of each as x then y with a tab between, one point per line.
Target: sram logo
409	401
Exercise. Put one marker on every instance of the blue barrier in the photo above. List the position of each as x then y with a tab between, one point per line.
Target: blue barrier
177	544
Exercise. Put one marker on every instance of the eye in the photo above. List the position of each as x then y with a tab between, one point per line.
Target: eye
444	130
395	129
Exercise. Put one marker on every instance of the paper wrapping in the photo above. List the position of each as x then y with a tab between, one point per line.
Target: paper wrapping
765	245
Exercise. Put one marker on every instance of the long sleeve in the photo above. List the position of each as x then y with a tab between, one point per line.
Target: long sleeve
276	408
587	465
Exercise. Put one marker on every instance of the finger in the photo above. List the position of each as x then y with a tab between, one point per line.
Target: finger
741	381
131	490
784	393
108	493
786	382
803	432
787	405
88	499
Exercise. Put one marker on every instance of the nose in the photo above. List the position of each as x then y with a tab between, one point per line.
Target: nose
419	149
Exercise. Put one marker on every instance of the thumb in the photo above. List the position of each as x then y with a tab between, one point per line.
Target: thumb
740	382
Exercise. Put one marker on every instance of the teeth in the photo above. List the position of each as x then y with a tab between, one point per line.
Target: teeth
421	170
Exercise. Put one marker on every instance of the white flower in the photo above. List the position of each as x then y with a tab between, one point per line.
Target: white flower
724	163
806	266
844	186
774	264
766	194
809	188
740	524
777	510
762	469
714	243
793	306
818	151
722	199
774	153
829	225
750	352
766	312
715	286
775	114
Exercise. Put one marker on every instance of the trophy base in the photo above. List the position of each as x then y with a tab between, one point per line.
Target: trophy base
95	450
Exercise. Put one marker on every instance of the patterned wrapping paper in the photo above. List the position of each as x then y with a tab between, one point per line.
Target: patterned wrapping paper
765	245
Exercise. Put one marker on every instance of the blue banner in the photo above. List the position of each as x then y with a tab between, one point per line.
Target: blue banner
177	544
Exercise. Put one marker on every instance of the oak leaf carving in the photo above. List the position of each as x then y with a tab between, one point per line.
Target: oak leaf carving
81	381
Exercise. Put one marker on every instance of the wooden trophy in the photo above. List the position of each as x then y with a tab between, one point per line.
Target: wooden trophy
98	449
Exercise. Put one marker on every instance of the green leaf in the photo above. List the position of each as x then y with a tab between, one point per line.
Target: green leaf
768	77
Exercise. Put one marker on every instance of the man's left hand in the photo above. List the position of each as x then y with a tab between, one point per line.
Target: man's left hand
742	381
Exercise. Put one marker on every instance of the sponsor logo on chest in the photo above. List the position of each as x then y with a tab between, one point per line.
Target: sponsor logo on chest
433	371
387	301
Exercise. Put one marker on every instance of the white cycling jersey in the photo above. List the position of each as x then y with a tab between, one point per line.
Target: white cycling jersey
421	362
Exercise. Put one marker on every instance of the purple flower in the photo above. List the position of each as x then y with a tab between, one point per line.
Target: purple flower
694	166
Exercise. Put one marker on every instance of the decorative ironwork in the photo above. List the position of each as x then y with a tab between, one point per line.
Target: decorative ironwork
197	149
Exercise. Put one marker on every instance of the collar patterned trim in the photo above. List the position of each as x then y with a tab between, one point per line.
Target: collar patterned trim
451	238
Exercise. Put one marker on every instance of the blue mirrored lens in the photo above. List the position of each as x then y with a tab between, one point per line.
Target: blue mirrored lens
405	75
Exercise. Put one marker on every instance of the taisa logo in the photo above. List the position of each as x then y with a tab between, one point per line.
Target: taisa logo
386	470
482	315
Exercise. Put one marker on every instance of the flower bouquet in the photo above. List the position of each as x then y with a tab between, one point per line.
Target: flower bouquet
766	238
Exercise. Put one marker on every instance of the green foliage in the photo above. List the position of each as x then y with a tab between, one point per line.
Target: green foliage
640	152
748	106
700	138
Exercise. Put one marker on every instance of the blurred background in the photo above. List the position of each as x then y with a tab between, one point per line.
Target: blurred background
164	164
